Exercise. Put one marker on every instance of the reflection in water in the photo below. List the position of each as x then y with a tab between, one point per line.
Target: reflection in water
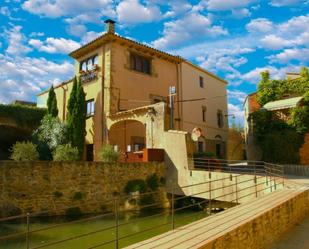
129	223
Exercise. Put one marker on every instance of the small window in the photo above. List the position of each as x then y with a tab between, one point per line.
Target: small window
200	146
89	152
201	82
218	150
204	109
90	107
140	64
220	119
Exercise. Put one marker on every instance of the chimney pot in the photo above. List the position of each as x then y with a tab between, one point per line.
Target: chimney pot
110	26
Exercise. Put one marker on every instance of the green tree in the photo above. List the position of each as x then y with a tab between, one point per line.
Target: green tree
304	72
52	132
76	120
52	108
65	153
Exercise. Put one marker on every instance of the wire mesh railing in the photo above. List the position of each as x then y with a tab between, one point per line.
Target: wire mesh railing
246	180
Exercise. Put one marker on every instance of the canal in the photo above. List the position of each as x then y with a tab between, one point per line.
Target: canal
129	224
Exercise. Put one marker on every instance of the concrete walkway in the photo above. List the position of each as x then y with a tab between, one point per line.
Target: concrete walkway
202	232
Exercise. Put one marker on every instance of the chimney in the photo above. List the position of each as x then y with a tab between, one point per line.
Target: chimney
110	26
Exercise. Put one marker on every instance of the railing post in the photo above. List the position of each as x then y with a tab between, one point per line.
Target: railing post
271	184
255	180
28	232
236	177
209	202
173	207
275	179
116	224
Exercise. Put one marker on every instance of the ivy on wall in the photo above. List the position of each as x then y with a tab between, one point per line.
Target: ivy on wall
280	141
27	116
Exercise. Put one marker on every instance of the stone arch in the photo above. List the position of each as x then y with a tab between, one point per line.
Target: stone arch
128	135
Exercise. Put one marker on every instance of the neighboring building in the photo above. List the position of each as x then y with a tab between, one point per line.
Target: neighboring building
124	79
281	109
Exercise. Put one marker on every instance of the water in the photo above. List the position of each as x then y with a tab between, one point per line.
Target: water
138	225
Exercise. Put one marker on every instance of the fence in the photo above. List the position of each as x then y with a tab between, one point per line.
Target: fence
271	175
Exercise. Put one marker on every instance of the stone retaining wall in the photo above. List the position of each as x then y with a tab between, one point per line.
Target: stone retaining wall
56	186
264	230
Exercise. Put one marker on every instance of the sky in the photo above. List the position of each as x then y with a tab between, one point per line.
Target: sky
235	39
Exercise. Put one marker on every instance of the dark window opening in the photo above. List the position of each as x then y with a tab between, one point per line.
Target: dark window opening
200	146
201	82
140	63
89	152
218	150
204	113
220	119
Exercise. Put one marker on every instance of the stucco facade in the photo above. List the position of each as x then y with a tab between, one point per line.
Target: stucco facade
118	87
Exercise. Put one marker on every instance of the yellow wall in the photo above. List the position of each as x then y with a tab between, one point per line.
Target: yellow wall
126	89
215	93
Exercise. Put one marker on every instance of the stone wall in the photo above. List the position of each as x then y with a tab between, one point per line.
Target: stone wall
262	231
56	186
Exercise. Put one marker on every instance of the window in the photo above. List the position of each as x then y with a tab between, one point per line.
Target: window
218	150
89	152
201	82
140	63
88	63
220	119
90	107
200	146
204	109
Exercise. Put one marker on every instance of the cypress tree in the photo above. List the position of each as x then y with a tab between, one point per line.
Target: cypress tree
71	106
52	108
76	120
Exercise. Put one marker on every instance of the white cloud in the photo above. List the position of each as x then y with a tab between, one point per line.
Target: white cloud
133	12
287	55
23	77
89	36
275	42
253	76
219	5
57	8
55	45
281	3
193	25
241	13
16	41
237	111
262	25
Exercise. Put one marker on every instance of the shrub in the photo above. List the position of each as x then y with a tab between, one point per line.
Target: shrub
152	182
135	185
51	132
108	154
78	196
24	151
73	212
65	153
58	194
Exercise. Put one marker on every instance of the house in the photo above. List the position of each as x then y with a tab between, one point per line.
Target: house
127	82
281	111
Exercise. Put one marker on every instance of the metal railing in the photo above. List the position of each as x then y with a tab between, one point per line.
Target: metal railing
260	177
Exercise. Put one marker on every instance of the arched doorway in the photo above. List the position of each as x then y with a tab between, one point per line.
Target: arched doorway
128	136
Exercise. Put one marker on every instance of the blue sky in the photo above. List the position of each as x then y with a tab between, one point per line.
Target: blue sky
235	39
